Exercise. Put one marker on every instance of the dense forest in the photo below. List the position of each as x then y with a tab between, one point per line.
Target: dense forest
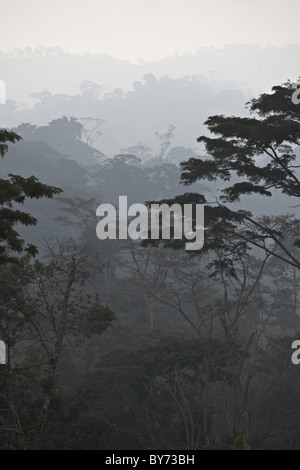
130	344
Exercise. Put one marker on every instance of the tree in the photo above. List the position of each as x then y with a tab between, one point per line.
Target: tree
141	150
47	310
178	154
246	307
91	129
81	217
14	190
162	386
90	90
251	156
255	155
165	140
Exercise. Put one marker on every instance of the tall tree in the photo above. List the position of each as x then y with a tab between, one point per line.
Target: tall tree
14	190
253	156
47	311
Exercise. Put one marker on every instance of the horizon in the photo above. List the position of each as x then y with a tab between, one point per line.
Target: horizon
148	31
30	51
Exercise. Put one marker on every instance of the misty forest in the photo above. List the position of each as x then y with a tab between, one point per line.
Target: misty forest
141	344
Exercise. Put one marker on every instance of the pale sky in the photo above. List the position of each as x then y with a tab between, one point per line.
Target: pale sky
147	29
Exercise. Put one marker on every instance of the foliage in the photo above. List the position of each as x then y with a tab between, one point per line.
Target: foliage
15	190
258	156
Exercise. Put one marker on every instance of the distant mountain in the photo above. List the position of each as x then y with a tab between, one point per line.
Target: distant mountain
105	180
247	66
64	136
137	100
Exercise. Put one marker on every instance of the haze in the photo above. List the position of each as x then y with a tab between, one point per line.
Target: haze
112	342
147	30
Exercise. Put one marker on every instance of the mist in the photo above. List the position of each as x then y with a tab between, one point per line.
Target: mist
125	340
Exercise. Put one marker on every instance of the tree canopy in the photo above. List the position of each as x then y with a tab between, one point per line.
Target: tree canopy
253	156
13	191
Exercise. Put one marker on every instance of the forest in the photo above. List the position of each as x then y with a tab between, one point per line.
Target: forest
142	344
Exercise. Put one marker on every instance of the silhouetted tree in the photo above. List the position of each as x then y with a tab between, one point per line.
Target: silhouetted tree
260	152
14	190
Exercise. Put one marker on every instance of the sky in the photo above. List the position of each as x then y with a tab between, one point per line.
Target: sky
146	30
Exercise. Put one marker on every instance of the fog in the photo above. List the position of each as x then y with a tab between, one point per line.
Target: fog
116	341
